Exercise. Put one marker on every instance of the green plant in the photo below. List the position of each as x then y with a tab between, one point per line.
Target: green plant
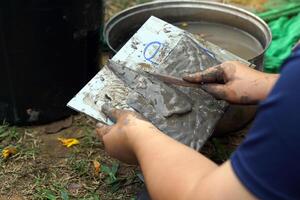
48	191
81	166
89	140
111	176
111	173
9	133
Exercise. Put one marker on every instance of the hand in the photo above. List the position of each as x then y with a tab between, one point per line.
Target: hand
235	82
118	139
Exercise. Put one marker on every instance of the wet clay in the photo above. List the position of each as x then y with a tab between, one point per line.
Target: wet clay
195	127
187	114
166	99
232	39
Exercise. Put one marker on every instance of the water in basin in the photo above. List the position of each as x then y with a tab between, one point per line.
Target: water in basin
232	39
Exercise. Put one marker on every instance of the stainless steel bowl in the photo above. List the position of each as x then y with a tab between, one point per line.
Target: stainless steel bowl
123	25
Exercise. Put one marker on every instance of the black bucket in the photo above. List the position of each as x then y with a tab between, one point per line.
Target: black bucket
49	49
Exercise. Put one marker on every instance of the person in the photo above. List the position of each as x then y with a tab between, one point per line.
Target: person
265	166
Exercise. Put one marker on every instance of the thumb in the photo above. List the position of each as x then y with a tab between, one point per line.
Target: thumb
113	113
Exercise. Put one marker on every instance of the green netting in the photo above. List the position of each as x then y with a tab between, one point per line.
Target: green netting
274	12
286	33
285	30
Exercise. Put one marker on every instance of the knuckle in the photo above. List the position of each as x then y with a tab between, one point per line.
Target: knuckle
230	63
226	63
115	112
98	131
199	75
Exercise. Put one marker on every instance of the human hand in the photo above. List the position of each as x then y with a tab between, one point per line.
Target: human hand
235	82
118	139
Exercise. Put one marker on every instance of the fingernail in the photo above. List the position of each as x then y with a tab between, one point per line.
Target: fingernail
99	125
185	74
188	76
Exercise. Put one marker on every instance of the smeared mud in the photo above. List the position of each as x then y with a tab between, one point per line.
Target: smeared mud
165	99
194	127
187	114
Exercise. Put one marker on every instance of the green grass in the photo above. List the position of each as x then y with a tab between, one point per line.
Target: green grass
35	176
80	166
9	133
52	191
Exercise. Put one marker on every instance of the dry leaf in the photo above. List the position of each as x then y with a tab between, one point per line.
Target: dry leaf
8	151
184	24
68	142
97	167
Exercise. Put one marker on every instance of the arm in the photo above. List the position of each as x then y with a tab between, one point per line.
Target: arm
235	82
174	171
171	170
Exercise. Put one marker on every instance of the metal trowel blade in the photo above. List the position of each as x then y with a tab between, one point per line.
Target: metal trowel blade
174	80
120	71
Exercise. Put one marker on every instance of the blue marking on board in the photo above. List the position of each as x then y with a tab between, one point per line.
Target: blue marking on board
154	53
212	55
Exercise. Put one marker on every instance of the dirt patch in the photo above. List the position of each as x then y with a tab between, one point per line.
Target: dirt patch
45	169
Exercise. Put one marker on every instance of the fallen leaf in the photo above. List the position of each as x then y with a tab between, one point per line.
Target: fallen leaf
8	151
97	167
184	24
58	126
68	142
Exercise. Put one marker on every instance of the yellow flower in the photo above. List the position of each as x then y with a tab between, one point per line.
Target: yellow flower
97	167
8	151
68	142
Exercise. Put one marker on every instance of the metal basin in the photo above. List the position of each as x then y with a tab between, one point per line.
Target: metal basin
122	26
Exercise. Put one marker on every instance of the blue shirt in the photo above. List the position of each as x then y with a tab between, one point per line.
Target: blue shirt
268	162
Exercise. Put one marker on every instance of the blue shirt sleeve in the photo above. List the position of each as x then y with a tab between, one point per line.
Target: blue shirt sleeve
268	162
